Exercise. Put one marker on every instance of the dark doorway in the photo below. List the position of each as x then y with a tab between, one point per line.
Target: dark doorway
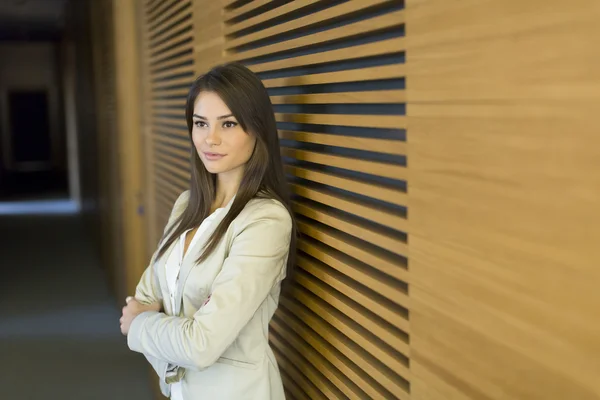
30	128
32	171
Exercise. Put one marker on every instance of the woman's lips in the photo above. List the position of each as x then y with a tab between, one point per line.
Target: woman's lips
213	156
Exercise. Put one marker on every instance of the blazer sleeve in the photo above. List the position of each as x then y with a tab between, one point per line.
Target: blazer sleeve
148	291
255	264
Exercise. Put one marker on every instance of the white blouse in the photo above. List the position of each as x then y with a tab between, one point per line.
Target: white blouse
173	265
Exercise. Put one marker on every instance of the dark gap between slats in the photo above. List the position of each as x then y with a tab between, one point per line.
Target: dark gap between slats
396	259
173	97
373	109
358	349
151	9
375	133
350	41
365	291
171	13
258	11
299	356
341	87
173	125
175	76
363	200
169	107
171	67
302	12
180	43
346	173
184	51
182	146
325	364
173	34
288	314
345	152
355	219
335	66
238	4
309	29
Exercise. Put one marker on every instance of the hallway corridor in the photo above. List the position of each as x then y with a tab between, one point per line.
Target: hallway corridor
59	329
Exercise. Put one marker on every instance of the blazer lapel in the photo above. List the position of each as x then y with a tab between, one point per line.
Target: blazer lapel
189	261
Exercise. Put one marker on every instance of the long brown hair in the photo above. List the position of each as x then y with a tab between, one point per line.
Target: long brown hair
245	95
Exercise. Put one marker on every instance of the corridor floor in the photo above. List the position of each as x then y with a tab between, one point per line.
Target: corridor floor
59	329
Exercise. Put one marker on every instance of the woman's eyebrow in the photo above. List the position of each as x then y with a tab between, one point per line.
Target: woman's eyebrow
221	117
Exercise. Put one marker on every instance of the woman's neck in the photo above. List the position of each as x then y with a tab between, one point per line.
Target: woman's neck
227	185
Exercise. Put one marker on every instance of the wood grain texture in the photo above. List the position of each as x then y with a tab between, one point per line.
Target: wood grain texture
504	180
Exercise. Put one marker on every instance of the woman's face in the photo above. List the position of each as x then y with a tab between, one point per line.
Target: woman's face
223	146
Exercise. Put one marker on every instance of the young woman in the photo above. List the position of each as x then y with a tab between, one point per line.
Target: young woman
202	308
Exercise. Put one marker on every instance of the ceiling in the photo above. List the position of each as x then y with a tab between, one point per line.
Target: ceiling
31	19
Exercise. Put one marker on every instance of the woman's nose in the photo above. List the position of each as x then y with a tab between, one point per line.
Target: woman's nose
213	139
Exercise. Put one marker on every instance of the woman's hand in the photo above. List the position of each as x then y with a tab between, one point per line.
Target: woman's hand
132	310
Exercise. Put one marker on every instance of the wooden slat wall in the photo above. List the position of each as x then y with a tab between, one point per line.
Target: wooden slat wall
502	104
168	71
101	15
335	72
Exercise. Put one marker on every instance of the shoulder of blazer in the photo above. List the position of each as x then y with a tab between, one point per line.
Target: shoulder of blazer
262	208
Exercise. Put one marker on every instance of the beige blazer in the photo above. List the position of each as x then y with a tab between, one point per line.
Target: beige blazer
216	339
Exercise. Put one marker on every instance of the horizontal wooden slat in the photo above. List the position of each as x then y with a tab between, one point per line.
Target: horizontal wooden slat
379	192
167	149
378	238
353	248
169	103
348	205
253	5
161	94
175	123
385	21
388	288
363	121
348	53
316	376
309	20
269	15
169	112
168	63
186	80
156	45
186	69
291	389
352	75
316	362
166	164
163	55
350	348
348	142
179	9
380	96
320	283
174	161
172	141
291	369
170	190
175	183
164	5
179	132
368	167
283	322
166	198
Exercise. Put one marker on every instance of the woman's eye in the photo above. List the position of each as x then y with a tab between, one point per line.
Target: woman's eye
200	124
229	124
